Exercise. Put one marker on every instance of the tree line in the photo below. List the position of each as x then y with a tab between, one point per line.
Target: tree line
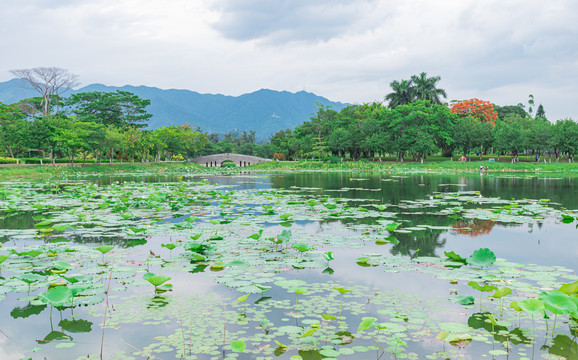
105	127
95	125
416	123
110	126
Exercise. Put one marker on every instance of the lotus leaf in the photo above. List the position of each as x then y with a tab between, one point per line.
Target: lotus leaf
342	290
501	292
463	299
156	280
514	305
104	248
328	317
392	226
284	236
27	311
482	258
301	247
454	257
76	326
62	265
238	346
532	306
31	278
57	296
61	227
568	289
3	258
256	236
54	336
557	302
366	323
280	345
309	332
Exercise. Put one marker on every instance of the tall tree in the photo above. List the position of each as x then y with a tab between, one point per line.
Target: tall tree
566	138
9	114
50	82
510	135
540	113
12	128
425	88
480	110
403	93
504	111
530	103
339	141
118	108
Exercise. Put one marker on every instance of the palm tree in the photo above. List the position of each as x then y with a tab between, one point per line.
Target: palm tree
425	88
403	93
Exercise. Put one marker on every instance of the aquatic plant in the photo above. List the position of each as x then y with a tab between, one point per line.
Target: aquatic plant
238	346
500	294
532	307
2	259
558	303
341	291
157	281
103	249
482	288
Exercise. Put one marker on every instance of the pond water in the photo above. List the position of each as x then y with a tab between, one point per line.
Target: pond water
288	266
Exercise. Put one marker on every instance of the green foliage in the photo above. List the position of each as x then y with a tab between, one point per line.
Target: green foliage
57	296
238	346
118	108
4	160
482	258
228	163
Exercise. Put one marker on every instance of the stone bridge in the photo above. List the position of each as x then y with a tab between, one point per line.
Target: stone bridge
218	159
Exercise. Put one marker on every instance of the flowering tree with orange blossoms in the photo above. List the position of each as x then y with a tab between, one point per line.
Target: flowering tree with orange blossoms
478	109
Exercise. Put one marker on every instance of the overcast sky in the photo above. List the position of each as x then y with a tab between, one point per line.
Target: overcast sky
345	50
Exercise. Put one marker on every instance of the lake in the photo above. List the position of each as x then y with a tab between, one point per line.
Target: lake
304	265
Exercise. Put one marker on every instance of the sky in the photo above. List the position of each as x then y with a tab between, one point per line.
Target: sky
344	50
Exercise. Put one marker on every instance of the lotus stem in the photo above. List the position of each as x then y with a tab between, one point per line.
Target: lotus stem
182	331
105	312
533	329
296	298
224	325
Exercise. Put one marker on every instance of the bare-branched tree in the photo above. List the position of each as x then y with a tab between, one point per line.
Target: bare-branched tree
50	82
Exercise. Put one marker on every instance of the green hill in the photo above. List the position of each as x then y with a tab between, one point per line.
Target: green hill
265	111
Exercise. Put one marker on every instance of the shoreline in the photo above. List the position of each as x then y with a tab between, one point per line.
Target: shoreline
8	171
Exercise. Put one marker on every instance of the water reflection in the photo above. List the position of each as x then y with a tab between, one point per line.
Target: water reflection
422	243
394	189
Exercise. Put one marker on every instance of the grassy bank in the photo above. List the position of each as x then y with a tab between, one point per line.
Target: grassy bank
62	170
443	166
44	171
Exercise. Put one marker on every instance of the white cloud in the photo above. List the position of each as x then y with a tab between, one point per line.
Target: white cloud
7	351
345	50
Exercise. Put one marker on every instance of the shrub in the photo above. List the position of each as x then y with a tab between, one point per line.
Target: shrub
4	160
67	161
34	161
332	159
228	163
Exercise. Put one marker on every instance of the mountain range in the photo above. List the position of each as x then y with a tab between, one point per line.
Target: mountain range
265	111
